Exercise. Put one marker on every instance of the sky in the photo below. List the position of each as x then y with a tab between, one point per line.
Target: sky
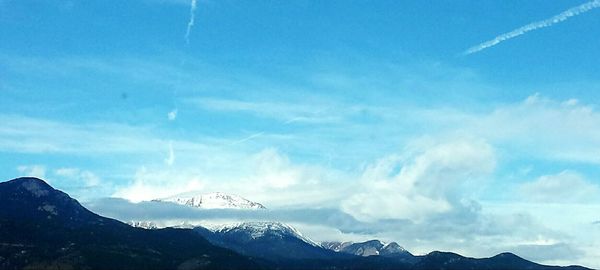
467	126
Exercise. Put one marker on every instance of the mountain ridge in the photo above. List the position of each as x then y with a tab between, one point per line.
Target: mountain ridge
266	240
44	228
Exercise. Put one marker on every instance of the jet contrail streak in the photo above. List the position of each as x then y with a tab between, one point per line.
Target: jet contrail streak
248	138
563	16
191	21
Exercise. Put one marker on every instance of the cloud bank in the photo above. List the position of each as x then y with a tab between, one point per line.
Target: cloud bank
489	234
434	179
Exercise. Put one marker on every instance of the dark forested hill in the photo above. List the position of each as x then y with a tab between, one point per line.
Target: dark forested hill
43	228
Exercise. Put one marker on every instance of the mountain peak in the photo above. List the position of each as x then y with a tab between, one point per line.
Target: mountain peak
443	254
27	179
215	200
31	198
37	187
392	248
367	248
507	255
259	229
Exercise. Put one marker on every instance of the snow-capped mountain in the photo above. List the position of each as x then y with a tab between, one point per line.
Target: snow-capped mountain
335	246
149	225
268	240
256	230
368	248
215	200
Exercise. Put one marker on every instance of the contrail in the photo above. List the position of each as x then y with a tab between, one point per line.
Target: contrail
563	16
248	138
191	21
258	134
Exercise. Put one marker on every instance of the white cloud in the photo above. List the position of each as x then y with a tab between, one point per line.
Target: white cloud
551	129
172	115
537	127
275	170
67	172
432	180
77	178
567	186
273	179
149	185
38	171
267	176
171	155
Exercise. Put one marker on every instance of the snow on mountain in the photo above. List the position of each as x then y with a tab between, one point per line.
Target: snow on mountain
149	225
391	249
336	246
368	248
215	200
266	240
257	230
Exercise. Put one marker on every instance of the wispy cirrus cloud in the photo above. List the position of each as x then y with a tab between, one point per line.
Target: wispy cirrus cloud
538	126
563	16
21	134
567	186
286	112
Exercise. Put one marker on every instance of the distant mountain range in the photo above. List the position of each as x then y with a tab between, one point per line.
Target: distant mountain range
43	228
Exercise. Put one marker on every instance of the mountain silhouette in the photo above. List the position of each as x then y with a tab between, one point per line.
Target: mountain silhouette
44	228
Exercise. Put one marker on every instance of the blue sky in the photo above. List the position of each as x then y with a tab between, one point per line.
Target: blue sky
369	109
